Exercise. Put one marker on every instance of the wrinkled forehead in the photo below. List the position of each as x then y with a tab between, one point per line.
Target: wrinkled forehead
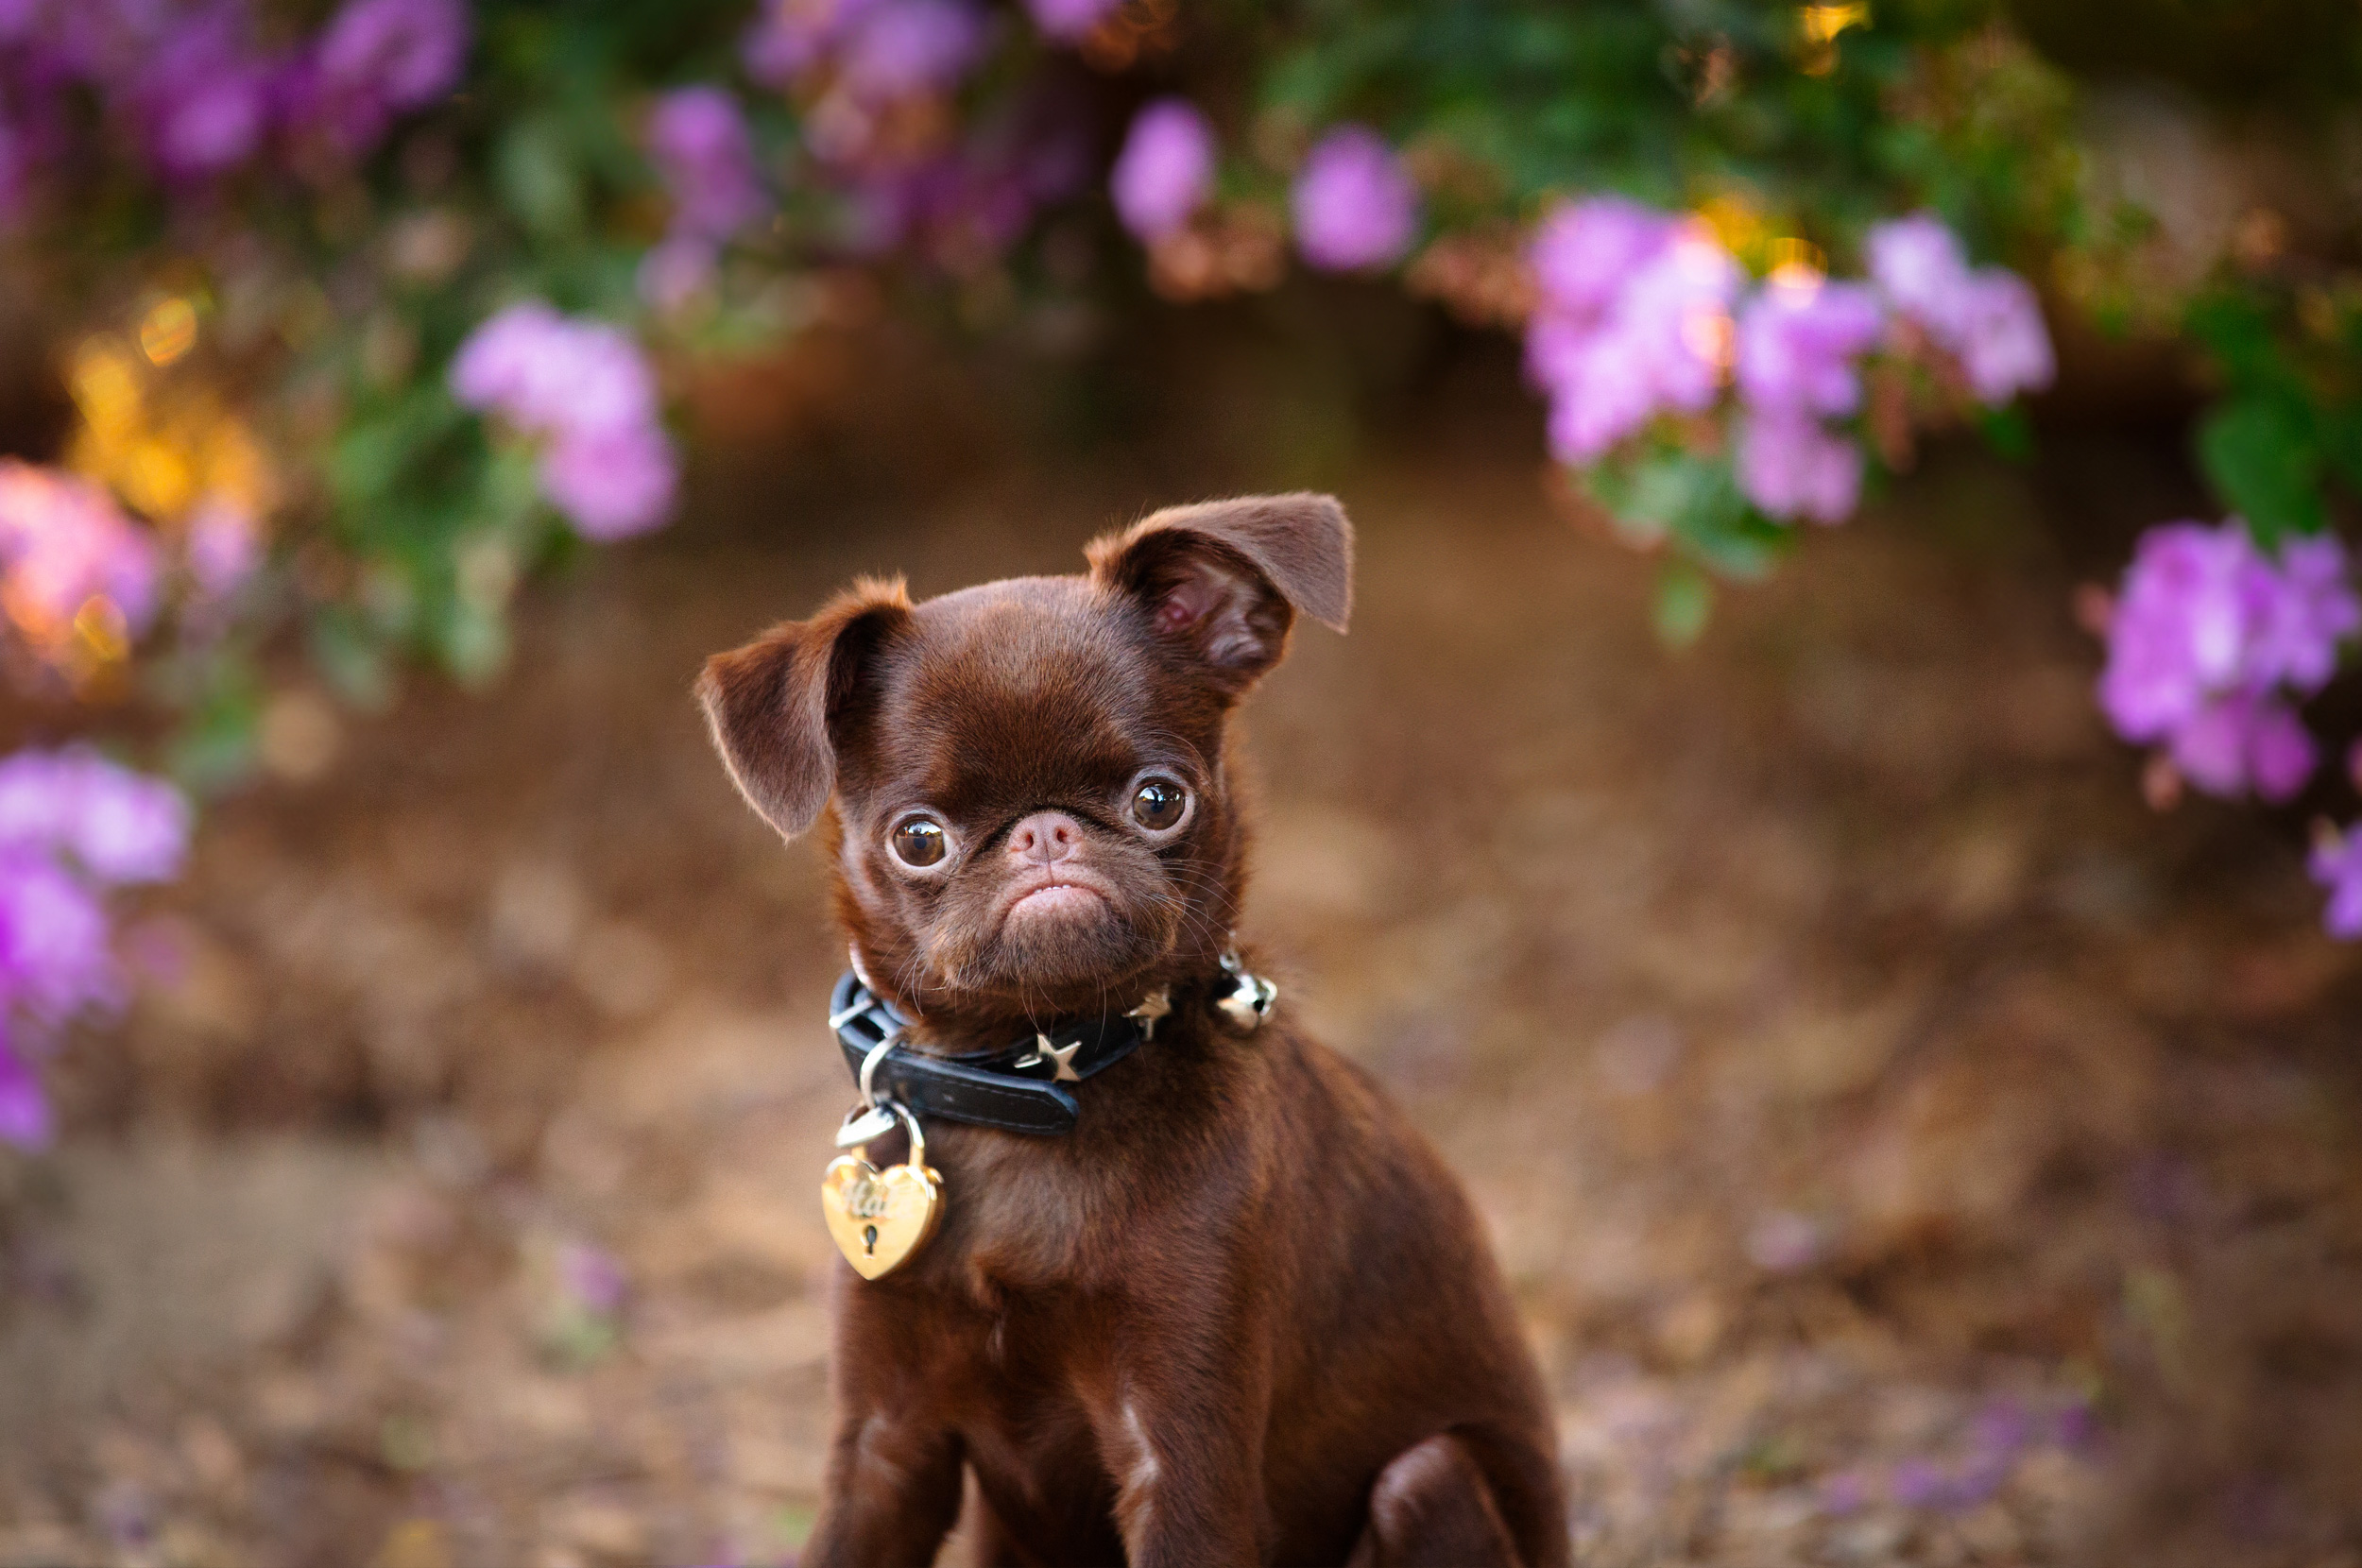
1021	694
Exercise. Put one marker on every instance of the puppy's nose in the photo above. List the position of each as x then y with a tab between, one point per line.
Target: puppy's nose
1044	837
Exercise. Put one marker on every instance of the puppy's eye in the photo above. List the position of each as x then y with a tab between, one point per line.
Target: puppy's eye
918	841
1159	804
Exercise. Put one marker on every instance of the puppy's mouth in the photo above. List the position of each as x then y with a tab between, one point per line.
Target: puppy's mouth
1055	895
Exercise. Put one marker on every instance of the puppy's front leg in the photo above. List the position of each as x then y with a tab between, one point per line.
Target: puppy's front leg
893	1494
1183	1444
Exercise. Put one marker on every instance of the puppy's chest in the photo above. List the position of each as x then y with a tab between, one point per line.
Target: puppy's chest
1032	1213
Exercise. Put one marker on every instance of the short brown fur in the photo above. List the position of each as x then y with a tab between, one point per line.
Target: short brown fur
1242	1314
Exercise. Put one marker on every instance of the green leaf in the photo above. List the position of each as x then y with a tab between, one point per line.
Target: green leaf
538	181
1684	598
2259	455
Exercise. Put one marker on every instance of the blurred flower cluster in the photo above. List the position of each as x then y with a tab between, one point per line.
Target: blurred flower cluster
1644	314
202	92
2208	639
583	388
72	825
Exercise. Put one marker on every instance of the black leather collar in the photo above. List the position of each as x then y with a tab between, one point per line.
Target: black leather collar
1021	1088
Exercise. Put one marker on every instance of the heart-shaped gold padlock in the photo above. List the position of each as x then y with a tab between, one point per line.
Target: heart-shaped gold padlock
879	1217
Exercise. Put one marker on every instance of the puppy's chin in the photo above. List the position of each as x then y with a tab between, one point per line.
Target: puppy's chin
1064	947
1060	936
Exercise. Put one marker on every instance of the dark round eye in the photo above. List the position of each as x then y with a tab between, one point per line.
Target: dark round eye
918	841
1158	804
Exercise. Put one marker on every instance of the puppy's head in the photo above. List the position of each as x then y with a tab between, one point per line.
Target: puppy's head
1026	778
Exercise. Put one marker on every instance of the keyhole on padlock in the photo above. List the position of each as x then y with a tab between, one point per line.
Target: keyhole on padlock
869	1239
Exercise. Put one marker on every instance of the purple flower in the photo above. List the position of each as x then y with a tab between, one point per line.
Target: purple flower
1166	169
1917	262
377	58
1844	1492
544	371
1791	466
224	547
1797	345
2003	347
1634	319
792	36
699	142
1356	207
54	961
2337	864
203	96
612	481
900	48
63	543
1585	252
585	389
1068	19
2183	626
1918	1484
408	52
2205	629
591	1278
2315	609
1988	318
23	1109
118	826
2203	615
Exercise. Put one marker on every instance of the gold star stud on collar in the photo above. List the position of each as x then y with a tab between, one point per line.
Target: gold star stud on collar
1158	1004
1062	1055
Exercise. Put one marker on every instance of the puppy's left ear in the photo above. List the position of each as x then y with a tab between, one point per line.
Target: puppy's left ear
1222	580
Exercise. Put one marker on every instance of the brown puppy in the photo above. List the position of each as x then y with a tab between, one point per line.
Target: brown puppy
1242	1313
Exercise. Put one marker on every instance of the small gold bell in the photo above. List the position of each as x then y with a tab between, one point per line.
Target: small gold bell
1246	999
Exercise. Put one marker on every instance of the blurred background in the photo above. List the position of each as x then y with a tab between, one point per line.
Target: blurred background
1831	813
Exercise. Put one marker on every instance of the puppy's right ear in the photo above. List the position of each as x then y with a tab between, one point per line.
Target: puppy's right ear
776	705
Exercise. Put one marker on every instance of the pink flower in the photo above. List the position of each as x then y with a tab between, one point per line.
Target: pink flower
2239	742
2337	864
1791	467
2314	609
612	481
1068	19
1988	320
699	142
118	826
900	48
1797	346
1356	207
2204	630
2183	628
1634	319
1919	265
54	961
1585	252
63	542
793	36
203	96
2003	347
377	58
584	388
592	1277
23	1109
1166	169
224	547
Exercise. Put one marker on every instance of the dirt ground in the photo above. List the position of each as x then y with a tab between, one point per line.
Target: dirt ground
1906	1147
